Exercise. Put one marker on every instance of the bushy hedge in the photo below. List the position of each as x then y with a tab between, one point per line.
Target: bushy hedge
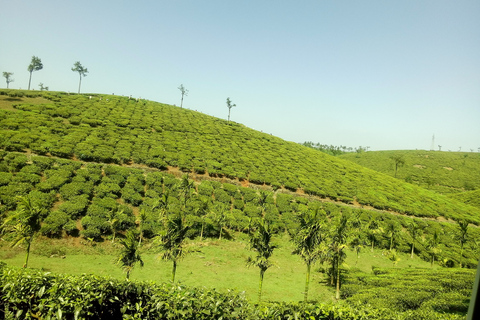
34	294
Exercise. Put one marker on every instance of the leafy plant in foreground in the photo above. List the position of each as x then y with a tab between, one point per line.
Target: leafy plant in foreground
172	240
308	240
23	224
261	242
129	255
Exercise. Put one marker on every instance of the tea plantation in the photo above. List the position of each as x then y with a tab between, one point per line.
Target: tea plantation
100	167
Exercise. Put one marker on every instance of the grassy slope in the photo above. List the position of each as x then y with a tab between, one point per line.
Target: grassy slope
469	197
124	131
212	264
440	171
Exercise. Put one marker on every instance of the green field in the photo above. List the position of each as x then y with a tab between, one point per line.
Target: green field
217	264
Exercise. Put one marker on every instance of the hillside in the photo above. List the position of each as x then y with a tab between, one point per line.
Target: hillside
440	171
119	130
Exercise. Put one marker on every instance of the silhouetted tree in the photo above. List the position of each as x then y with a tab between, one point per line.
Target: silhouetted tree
8	77
35	65
184	93
82	72
230	105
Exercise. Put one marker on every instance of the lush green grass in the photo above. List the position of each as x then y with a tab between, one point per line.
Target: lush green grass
219	264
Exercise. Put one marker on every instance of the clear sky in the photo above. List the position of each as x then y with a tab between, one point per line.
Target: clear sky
383	74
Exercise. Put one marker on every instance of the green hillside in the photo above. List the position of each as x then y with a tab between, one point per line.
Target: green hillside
87	173
440	171
469	197
119	130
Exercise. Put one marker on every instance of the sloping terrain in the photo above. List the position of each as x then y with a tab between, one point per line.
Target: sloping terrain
123	131
440	171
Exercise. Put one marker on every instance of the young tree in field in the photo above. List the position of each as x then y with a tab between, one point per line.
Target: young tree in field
35	65
373	228
308	240
129	255
114	221
230	105
356	241
142	217
202	210
399	161
172	240
433	246
338	244
184	93
261	242
392	230
23	224
462	236
82	72
8	77
414	230
186	188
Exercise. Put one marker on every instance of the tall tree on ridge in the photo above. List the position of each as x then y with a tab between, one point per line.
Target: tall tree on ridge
230	105
82	72
35	65
8	77
184	93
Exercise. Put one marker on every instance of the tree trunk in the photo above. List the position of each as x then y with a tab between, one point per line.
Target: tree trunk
181	102
337	294
174	270
28	252
201	232
262	272
29	80
79	84
307	283
413	248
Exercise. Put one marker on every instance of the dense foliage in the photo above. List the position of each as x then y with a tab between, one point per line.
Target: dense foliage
413	293
112	129
30	294
97	201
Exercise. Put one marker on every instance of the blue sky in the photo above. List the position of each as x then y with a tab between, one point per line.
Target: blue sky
383	74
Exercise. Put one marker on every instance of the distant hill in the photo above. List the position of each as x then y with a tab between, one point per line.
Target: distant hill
118	130
439	171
